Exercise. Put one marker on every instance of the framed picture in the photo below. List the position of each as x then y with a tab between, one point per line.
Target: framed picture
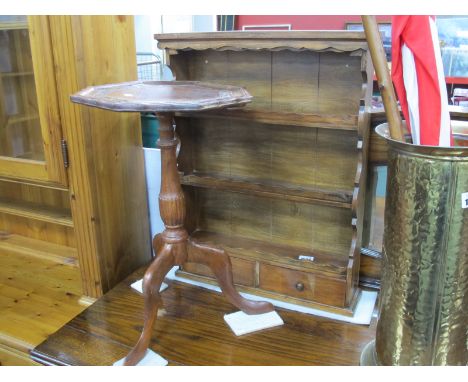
385	32
268	27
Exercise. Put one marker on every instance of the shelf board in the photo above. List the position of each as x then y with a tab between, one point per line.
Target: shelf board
15	74
46	251
275	254
335	198
35	212
326	121
35	183
30	155
13	25
22	118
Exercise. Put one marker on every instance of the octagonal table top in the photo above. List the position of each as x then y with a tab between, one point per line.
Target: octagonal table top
162	96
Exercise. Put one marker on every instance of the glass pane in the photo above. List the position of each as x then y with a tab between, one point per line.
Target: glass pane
453	36
20	130
374	222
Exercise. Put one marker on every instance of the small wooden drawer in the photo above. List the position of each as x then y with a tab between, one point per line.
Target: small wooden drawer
303	285
243	271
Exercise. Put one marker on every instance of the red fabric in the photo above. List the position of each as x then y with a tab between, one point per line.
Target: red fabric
414	31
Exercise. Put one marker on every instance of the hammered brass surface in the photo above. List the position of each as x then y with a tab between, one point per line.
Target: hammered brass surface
424	298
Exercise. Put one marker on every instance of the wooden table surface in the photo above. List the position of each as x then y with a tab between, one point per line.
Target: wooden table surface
191	331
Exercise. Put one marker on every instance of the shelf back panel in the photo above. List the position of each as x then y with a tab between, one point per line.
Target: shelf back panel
294	157
312	228
281	81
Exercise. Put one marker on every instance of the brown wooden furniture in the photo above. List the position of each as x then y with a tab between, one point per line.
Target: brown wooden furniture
191	331
66	210
173	246
279	183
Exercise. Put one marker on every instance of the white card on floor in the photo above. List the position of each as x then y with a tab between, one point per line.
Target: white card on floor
150	359
138	285
241	323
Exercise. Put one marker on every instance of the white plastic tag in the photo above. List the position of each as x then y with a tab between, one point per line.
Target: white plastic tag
465	200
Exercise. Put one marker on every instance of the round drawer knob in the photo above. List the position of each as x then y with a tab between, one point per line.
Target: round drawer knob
300	287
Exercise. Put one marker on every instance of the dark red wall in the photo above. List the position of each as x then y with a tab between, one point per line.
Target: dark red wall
303	22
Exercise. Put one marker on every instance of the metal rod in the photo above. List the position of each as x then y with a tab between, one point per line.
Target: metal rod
383	77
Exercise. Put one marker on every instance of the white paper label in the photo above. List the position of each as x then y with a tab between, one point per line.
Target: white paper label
465	200
307	258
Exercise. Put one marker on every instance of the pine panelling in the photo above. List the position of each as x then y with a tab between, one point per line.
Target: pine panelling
49	115
106	173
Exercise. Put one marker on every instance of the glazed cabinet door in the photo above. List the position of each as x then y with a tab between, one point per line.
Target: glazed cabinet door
30	130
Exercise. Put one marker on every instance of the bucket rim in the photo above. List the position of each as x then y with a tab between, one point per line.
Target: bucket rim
454	151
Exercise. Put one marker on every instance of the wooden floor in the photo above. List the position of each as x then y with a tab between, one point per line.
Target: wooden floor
190	330
37	297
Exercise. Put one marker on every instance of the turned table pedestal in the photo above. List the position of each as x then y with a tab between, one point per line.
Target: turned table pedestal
174	246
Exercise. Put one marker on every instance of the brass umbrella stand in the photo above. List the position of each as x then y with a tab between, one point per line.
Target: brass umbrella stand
423	308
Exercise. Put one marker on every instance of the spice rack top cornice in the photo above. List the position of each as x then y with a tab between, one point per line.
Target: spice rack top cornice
162	96
335	41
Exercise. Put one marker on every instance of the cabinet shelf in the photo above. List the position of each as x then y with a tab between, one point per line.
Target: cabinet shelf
32	211
335	198
275	254
15	74
326	121
22	118
43	250
13	25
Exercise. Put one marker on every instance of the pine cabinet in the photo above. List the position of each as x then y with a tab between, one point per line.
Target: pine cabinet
30	133
73	210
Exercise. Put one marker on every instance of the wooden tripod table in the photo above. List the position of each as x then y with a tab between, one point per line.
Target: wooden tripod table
173	246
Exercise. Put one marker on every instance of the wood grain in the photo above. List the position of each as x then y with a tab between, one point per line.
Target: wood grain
107	182
303	285
289	169
13	357
271	189
280	222
262	154
37	297
192	331
47	97
336	41
243	271
161	96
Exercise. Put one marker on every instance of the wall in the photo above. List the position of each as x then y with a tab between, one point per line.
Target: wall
145	27
303	22
148	25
